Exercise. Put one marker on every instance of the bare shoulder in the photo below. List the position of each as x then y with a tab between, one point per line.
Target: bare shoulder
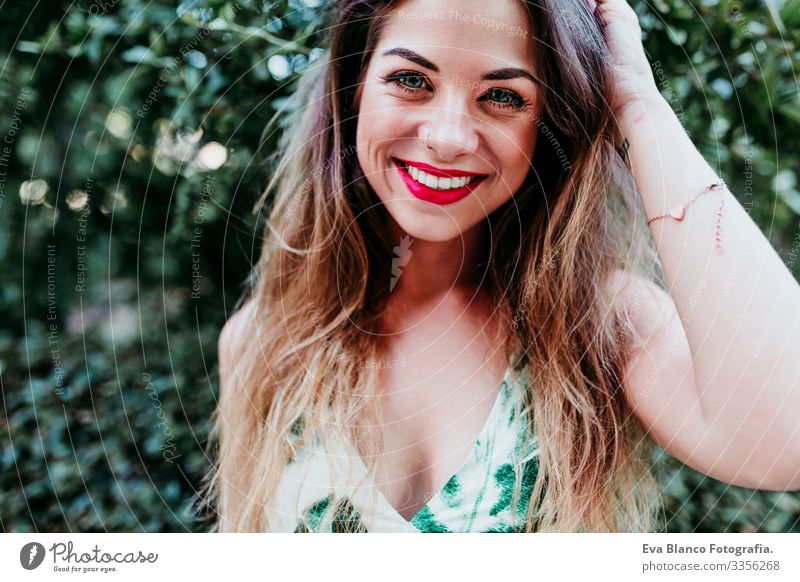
230	342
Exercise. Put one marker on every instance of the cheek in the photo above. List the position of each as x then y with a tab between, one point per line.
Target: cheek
517	153
527	141
381	124
379	128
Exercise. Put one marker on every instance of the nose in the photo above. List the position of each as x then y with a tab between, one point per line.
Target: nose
453	129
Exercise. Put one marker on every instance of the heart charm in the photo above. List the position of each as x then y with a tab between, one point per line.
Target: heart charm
677	212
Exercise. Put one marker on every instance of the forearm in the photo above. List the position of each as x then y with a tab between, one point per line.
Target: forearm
739	308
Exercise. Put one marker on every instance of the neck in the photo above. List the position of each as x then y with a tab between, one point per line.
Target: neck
438	273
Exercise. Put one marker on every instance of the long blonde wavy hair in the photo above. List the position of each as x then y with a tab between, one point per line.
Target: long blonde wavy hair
321	281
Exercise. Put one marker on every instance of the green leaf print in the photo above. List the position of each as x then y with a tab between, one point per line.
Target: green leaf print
426	522
450	491
504	478
313	516
345	518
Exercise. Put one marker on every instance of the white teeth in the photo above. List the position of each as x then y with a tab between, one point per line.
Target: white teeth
438	183
430	181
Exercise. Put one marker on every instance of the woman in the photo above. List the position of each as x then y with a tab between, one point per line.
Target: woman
455	323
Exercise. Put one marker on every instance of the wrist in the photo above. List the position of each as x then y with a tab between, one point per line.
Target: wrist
641	108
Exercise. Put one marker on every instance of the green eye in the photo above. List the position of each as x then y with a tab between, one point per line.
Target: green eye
407	80
413	81
504	97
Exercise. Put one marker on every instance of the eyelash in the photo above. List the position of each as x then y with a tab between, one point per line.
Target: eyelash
518	102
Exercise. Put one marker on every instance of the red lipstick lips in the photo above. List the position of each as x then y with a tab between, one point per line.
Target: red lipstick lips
439	173
428	194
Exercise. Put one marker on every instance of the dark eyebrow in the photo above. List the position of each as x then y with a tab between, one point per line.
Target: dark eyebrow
413	57
498	75
508	73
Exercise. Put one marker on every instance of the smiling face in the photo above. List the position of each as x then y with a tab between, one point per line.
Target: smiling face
447	113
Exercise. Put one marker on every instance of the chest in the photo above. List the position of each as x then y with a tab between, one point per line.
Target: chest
435	400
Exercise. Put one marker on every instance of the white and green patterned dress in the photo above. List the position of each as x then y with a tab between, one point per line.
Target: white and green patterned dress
477	498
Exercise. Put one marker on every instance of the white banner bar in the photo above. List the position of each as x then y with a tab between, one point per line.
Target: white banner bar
352	557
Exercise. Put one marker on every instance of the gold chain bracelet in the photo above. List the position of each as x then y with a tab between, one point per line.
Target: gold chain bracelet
679	211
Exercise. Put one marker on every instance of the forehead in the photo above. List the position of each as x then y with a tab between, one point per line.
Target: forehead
468	32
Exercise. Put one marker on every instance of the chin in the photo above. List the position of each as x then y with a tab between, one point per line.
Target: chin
440	227
433	236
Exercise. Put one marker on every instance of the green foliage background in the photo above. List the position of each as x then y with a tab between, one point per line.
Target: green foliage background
117	99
